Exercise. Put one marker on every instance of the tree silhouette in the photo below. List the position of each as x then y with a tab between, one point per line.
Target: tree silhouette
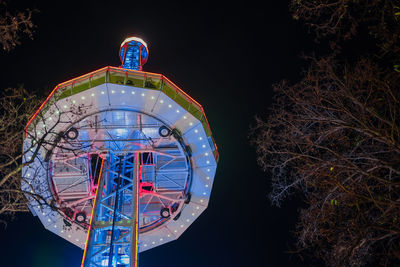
13	25
333	138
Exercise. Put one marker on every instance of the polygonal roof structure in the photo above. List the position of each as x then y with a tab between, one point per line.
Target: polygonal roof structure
109	104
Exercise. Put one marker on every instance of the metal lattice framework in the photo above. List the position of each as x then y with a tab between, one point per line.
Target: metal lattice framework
114	225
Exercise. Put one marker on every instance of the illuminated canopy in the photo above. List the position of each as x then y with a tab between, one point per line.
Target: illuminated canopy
136	124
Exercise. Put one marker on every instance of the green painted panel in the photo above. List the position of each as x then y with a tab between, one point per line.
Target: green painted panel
97	80
117	79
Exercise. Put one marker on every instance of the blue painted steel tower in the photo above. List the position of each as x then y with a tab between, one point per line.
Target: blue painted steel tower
133	53
126	162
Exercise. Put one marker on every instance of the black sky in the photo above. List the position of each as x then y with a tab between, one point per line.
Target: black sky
224	56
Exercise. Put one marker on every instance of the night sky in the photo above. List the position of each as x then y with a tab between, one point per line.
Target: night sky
226	57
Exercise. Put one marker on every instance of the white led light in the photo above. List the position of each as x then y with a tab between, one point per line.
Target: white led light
182	225
200	138
153	242
193	214
161	101
175	231
191	123
62	231
170	106
50	118
208	170
206	185
203	146
177	111
187	220
208	178
123	91
204	193
197	207
102	92
206	154
185	117
112	91
196	131
69	236
143	94
77	240
92	94
208	162
73	101
65	106
28	174
133	92
48	220
145	245
152	97
168	235
161	239
55	226
83	98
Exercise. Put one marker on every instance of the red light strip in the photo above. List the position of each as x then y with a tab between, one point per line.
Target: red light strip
135	263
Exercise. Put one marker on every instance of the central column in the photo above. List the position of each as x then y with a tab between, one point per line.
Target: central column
113	233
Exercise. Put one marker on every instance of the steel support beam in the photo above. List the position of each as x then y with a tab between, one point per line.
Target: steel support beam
113	234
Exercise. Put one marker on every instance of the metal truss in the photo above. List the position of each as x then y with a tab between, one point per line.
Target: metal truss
113	233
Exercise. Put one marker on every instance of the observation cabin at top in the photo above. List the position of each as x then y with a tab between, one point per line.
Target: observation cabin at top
119	160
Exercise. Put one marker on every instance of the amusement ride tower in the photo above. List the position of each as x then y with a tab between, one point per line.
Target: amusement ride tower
120	160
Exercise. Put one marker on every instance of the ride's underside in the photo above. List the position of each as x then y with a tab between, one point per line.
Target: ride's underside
129	155
139	170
